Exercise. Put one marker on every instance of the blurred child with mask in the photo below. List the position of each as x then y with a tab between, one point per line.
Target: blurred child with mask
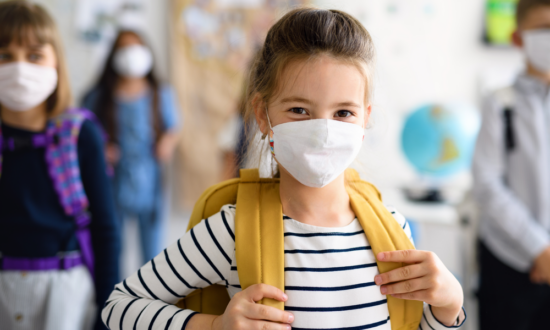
59	236
512	182
140	116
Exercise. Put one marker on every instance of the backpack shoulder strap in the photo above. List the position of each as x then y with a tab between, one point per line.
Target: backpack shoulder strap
506	98
259	233
64	170
212	200
259	236
384	234
62	161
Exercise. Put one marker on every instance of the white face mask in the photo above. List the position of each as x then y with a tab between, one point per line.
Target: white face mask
537	48
24	85
316	151
133	61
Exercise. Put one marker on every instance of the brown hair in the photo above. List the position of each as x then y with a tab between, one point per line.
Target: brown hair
303	34
106	87
23	22
524	6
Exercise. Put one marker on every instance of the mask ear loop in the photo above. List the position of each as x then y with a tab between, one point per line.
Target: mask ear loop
268	121
268	143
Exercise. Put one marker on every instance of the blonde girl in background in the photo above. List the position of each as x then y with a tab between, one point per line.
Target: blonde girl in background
310	95
59	238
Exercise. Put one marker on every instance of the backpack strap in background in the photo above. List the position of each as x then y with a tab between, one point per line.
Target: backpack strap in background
259	233
64	170
506	99
509	134
87	114
384	234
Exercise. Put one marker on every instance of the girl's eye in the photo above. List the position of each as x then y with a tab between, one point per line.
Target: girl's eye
343	113
35	57
299	111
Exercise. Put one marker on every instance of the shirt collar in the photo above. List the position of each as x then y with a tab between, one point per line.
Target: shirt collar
532	85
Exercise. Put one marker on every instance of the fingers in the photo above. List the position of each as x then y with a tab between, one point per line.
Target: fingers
537	277
407	256
405	286
534	276
262	325
400	274
268	313
420	295
257	292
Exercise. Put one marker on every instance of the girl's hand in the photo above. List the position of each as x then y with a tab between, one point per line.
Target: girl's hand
165	147
425	278
244	313
112	154
540	273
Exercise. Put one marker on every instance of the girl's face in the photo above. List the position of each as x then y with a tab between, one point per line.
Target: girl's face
32	53
128	39
322	88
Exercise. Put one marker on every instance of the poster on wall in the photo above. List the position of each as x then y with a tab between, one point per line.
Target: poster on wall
500	22
97	21
213	43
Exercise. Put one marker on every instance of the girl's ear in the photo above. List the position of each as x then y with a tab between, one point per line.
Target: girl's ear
368	111
517	40
259	105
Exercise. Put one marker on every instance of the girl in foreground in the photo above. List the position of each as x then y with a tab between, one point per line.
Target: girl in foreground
309	92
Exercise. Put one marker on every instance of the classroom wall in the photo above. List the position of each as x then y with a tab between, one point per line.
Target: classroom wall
86	59
427	51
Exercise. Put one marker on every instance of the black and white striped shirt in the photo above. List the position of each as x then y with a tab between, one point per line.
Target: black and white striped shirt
329	278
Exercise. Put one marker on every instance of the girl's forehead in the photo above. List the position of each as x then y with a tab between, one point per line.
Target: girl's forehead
26	38
128	39
537	18
27	45
321	78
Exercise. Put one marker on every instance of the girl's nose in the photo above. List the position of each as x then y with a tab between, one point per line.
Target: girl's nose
321	115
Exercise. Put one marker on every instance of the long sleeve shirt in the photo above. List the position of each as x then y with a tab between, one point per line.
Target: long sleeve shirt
329	278
137	183
32	221
513	188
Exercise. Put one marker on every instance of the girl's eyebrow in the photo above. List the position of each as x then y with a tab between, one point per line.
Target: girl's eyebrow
35	47
347	104
296	99
306	101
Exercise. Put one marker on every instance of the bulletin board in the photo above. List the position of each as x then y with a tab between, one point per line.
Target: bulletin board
213	44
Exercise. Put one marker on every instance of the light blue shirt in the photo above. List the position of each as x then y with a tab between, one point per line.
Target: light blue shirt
137	180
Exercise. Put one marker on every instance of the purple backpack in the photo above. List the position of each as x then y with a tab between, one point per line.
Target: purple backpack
60	141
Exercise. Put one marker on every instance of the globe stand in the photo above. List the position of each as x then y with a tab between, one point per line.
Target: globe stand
432	195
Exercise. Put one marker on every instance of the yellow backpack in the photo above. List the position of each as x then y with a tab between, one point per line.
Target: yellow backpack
259	239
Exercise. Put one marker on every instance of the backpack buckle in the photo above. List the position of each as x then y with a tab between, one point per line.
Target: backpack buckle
83	219
16	143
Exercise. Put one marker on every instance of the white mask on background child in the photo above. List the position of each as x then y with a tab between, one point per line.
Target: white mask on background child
536	44
24	85
133	61
316	151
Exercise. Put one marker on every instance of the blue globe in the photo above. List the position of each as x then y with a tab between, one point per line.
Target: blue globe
439	140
